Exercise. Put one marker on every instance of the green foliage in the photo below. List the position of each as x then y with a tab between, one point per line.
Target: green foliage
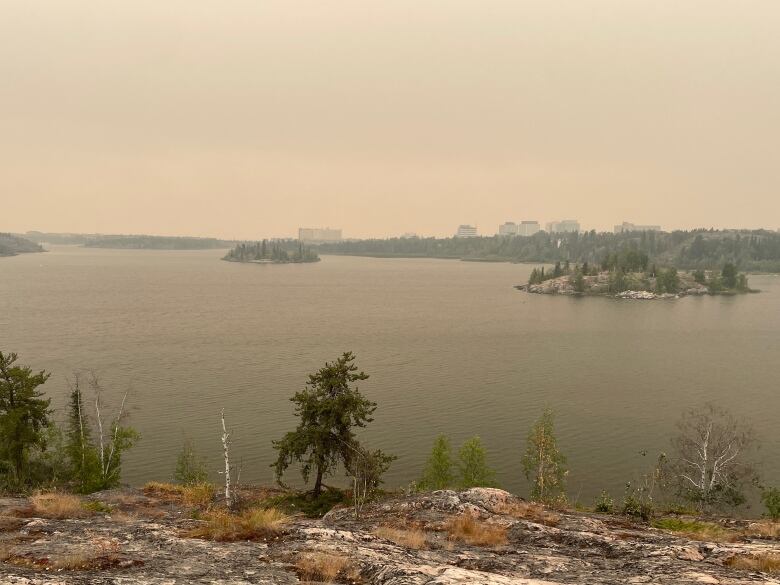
667	281
95	454
729	275
277	251
771	499
473	467
618	282
605	504
543	463
700	276
637	503
328	409
190	468
97	506
24	416
307	503
579	282
757	250
438	473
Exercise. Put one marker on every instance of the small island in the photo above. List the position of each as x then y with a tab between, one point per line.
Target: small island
272	252
12	245
625	277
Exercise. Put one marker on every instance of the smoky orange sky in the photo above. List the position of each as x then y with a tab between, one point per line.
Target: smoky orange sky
250	118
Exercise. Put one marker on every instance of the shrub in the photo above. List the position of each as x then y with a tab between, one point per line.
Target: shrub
252	524
57	505
308	504
605	504
771	499
469	529
636	504
409	538
190	469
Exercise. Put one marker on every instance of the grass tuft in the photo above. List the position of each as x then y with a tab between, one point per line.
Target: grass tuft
469	529
413	538
57	505
252	524
763	563
695	530
327	568
532	512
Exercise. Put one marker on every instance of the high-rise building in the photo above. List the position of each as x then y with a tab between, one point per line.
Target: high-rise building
466	231
566	226
528	228
631	227
508	228
319	235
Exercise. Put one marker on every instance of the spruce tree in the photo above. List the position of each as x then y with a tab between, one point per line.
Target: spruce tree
473	467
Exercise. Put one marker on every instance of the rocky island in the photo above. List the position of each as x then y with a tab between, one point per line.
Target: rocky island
647	284
272	252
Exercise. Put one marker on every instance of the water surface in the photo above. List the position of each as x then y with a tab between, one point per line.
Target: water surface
450	346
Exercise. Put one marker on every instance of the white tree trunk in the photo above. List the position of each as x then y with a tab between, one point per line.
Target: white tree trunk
225	448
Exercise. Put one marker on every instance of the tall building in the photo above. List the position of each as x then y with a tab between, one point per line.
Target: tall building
566	226
319	235
508	228
528	228
466	231
630	227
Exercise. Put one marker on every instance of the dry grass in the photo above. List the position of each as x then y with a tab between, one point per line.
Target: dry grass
764	529
469	529
764	563
326	567
531	512
57	505
252	524
409	538
198	495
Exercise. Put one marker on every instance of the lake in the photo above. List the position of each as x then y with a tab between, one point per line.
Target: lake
450	347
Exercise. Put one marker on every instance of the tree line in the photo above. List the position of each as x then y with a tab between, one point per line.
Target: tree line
279	251
757	250
710	465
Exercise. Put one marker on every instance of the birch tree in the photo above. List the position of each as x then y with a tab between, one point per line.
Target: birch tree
226	454
543	463
712	461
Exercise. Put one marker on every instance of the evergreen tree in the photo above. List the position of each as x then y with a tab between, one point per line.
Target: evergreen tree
729	275
328	408
438	474
473	467
543	464
79	446
190	469
24	413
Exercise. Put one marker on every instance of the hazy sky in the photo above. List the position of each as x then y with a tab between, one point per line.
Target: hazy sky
249	118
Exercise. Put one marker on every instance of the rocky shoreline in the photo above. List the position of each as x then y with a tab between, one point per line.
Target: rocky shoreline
135	537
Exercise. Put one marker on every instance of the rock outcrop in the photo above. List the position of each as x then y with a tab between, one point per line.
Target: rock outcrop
142	541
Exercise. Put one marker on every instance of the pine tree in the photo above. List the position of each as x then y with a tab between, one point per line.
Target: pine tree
24	413
79	446
543	464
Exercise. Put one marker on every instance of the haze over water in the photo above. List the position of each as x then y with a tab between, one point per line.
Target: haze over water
450	346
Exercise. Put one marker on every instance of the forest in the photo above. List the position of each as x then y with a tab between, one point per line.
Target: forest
753	251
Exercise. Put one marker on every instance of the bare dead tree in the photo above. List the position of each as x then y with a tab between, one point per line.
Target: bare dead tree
226	451
713	457
106	454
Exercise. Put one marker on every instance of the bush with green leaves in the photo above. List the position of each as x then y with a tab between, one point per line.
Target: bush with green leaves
771	499
604	504
473	467
190	468
438	472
